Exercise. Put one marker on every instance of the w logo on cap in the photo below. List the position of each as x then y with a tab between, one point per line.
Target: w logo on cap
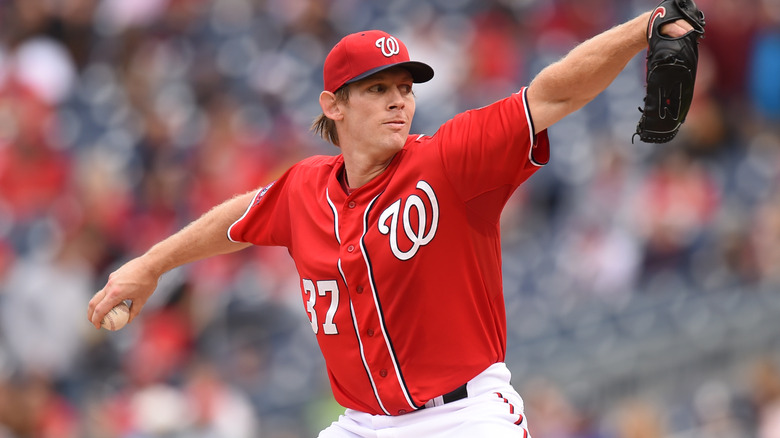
389	46
356	57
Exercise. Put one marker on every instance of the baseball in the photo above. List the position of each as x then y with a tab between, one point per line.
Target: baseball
117	317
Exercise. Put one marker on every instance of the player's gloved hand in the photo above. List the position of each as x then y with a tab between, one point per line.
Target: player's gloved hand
672	57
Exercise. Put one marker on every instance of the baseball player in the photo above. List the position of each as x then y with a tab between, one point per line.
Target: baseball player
396	239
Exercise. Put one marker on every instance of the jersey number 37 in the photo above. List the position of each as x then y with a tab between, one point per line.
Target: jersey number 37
322	289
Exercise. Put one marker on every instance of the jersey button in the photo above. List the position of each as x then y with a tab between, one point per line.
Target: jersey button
401	411
383	372
370	332
352	204
350	248
359	289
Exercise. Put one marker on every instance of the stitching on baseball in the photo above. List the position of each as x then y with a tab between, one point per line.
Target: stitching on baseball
110	319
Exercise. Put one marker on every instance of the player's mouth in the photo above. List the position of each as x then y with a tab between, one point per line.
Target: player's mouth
396	123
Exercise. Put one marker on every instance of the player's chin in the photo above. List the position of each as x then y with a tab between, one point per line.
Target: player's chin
396	142
396	136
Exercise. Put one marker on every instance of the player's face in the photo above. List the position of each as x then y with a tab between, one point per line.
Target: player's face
379	113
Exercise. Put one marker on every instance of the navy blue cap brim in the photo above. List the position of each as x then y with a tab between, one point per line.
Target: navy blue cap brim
420	71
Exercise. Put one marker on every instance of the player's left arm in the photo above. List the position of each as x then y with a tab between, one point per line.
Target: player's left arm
568	84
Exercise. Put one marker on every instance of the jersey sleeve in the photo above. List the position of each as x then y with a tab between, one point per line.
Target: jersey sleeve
266	220
492	148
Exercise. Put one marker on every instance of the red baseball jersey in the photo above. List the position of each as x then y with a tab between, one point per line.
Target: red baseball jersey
401	278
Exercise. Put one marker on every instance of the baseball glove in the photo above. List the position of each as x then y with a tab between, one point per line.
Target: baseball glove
671	71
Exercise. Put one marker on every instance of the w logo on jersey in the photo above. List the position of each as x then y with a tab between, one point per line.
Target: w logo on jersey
415	237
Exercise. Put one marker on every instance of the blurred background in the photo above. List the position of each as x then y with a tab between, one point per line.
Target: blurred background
642	281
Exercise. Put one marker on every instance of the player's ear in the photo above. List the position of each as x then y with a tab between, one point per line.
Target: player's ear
330	106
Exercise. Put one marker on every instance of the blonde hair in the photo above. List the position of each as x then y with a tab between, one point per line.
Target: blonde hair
325	127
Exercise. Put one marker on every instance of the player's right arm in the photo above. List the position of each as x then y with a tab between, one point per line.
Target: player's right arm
137	279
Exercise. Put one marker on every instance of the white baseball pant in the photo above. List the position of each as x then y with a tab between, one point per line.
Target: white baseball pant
492	409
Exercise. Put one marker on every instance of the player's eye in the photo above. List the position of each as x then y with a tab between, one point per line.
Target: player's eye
405	89
377	88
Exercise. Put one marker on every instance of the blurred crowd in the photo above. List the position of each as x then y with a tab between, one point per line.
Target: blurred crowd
121	121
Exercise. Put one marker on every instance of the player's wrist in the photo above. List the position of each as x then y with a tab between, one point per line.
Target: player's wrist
151	265
642	26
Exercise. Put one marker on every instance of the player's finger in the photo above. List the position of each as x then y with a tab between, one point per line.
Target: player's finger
676	28
104	301
93	303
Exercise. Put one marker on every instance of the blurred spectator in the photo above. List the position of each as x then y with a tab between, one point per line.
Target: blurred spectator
730	40
553	414
766	237
496	61
164	342
599	251
764	396
705	132
33	171
218	409
33	408
40	316
714	408
765	62
674	207
639	419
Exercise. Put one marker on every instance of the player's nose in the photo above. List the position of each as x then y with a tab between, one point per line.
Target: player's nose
396	98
